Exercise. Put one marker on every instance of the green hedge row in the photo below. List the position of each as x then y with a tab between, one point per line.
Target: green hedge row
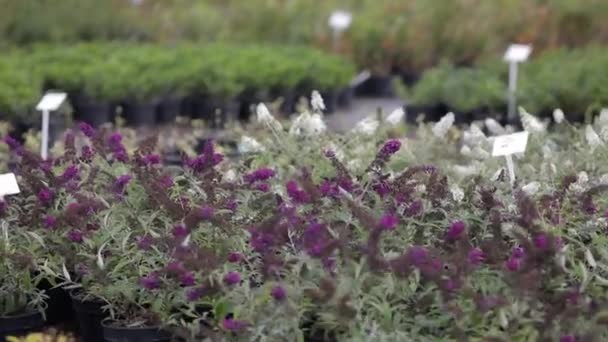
573	80
118	71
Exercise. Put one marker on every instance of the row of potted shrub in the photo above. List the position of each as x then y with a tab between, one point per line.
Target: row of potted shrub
151	80
318	237
569	79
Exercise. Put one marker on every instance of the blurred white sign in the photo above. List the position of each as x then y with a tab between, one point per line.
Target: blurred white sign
518	53
51	101
510	144
8	185
340	20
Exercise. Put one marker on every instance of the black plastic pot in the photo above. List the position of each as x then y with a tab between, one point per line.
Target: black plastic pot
95	113
19	325
330	99
90	315
376	86
345	97
59	310
168	109
431	112
139	113
221	111
144	334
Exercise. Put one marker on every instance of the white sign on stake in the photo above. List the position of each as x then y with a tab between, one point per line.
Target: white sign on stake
340	20
49	102
507	145
8	185
518	53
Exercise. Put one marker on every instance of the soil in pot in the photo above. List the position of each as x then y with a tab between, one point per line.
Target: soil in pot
139	113
113	333
168	110
21	324
95	113
89	314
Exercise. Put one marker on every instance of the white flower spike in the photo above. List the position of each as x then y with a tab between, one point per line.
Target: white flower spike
366	126
308	125
592	138
558	116
396	116
316	102
494	127
531	123
249	145
264	117
441	128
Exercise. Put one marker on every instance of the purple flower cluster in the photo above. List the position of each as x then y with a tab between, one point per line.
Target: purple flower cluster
514	262
145	242
13	144
151	159
86	129
476	256
263	187
278	293
120	184
45	196
117	148
86	153
150	281
205	160
415	209
180	230
388	222
296	194
455	231
232	278
235	257
166	181
233	324
261	174
390	147
75	235
207	212
70	173
49	222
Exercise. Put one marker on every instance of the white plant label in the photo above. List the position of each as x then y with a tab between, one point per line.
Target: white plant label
51	101
340	20
517	53
8	185
510	144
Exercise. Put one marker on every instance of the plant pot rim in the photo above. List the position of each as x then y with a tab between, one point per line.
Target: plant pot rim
107	323
28	312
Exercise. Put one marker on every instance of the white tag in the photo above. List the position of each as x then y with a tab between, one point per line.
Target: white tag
8	185
510	144
517	53
51	101
340	20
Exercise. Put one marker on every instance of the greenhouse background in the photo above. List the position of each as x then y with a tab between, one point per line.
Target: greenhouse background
299	170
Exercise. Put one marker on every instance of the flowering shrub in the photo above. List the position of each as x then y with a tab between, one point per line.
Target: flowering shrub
368	235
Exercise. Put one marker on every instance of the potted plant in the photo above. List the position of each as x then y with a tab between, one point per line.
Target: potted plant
22	304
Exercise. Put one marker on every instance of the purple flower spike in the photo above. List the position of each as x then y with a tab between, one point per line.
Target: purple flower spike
151	159
180	231
120	183
513	264
115	141
232	278
145	242
388	222
390	147
235	257
567	338
261	174
187	279
49	222
207	212
150	282
121	156
166	181
86	129
45	196
263	187
476	256
278	293
295	193
233	324
517	252
541	241
71	172
414	209
194	294
75	235
417	255
87	153
12	143
456	230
